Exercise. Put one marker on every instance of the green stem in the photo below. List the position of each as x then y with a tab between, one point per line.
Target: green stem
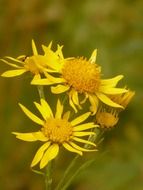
66	173
48	176
48	173
82	167
64	100
41	91
62	184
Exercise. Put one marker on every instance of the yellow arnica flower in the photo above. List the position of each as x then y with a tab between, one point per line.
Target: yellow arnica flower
36	64
106	116
123	99
57	130
81	76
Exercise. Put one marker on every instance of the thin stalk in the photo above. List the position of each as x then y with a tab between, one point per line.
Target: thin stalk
48	176
62	184
48	172
82	167
41	91
66	173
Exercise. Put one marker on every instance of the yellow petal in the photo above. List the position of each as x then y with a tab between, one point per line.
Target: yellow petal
47	112
39	154
35	52
80	148
40	136
71	103
84	126
71	149
36	77
93	56
111	82
13	73
31	115
47	70
53	58
112	91
16	60
59	110
11	64
66	115
74	96
47	49
39	60
25	136
107	100
59	89
50	154
80	119
55	80
59	51
50	45
41	82
85	98
40	108
83	141
94	103
81	134
22	58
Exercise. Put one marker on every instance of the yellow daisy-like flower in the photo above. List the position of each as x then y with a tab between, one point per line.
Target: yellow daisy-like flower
106	116
56	130
81	76
123	99
36	64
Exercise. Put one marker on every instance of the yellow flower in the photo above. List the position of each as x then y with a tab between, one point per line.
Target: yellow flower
36	64
107	117
56	130
81	76
123	99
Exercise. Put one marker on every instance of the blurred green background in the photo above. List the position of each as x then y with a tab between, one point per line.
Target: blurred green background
115	27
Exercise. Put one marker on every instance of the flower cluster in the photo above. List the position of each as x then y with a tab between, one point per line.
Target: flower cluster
81	81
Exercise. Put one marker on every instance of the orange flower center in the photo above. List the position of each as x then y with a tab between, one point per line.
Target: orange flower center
57	130
82	75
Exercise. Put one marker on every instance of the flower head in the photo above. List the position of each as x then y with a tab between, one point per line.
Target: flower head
81	76
35	64
123	99
106	116
56	130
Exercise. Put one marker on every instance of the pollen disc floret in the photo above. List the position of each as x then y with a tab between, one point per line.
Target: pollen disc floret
57	130
81	75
